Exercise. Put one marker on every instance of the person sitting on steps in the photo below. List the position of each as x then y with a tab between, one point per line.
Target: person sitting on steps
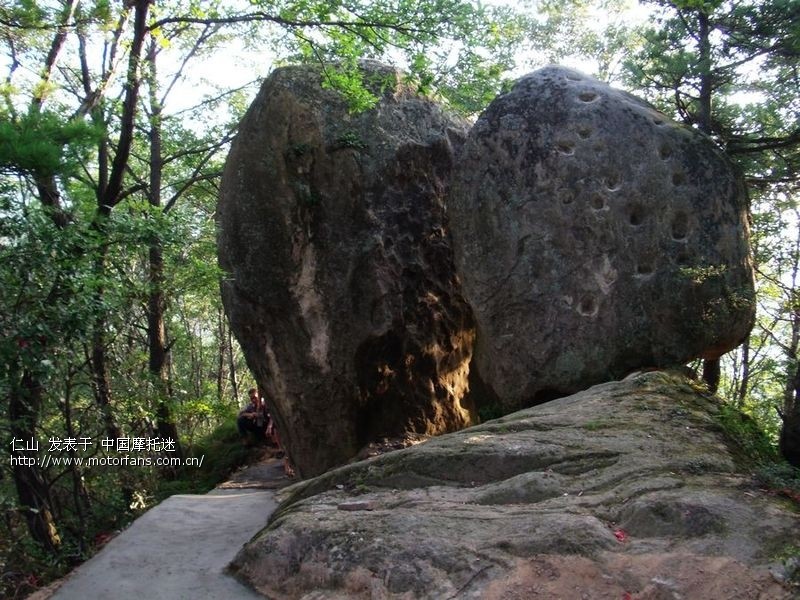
251	417
255	419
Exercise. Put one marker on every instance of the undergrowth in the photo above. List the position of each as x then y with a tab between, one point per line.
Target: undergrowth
222	452
114	499
755	450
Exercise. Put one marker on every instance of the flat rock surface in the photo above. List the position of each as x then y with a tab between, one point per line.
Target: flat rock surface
630	487
268	474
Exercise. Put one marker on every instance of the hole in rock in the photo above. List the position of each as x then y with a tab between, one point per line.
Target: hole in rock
588	306
587	96
665	152
683	259
565	148
636	215
680	226
612	183
657	121
565	195
645	268
597	202
584	132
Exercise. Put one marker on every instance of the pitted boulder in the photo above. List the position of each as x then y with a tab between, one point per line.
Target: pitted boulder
340	282
594	236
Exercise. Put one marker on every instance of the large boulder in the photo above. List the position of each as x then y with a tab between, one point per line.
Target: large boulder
628	489
594	236
339	283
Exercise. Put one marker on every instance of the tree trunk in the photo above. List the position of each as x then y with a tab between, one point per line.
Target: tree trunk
25	401
222	358
789	442
711	374
80	495
706	83
711	367
744	383
156	306
99	359
232	360
158	362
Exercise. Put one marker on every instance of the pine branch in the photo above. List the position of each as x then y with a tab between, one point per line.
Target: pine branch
262	17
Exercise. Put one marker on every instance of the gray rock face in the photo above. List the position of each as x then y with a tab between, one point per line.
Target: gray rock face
341	287
594	236
627	488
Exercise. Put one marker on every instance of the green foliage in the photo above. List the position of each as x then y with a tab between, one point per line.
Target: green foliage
349	82
458	50
749	68
730	69
42	144
752	445
779	476
222	451
699	274
350	139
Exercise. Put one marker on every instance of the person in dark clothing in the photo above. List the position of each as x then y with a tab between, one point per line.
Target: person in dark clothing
251	417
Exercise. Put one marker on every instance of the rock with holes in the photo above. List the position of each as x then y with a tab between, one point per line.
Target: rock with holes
340	283
594	236
629	487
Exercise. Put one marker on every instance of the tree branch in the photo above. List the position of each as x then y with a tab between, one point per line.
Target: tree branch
127	121
257	17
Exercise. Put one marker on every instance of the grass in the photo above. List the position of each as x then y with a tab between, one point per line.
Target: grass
598	424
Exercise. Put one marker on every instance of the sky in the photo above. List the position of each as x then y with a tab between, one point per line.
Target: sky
237	65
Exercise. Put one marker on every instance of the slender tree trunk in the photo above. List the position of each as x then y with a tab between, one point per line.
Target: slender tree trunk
156	305
711	367
25	401
80	496
789	442
222	358
232	360
109	194
158	362
706	83
98	362
744	383
711	374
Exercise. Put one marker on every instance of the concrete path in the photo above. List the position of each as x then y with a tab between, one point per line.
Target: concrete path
179	548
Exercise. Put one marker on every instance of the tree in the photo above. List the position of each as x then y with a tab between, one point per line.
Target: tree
730	70
102	210
599	34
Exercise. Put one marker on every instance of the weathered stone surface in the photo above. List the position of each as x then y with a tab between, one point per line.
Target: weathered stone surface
627	488
340	286
594	236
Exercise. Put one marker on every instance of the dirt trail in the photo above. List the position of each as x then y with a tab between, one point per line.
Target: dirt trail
180	548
